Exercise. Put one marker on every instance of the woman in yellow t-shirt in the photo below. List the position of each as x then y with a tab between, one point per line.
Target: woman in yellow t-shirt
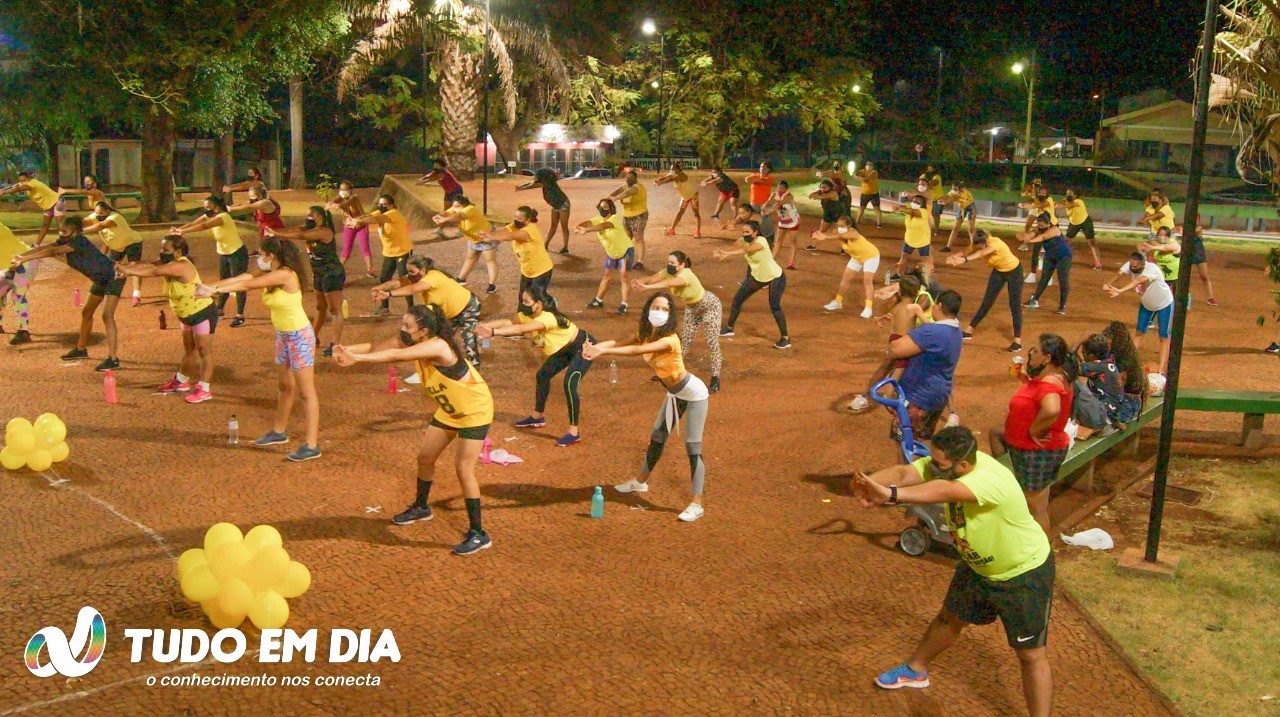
702	308
396	244
471	222
119	240
561	342
233	255
433	286
40	194
916	236
464	409
531	252
279	274
762	271
198	316
619	251
1006	273
688	197
864	261
687	396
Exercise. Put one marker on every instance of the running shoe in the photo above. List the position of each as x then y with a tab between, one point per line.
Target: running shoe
304	453
1097	266
945	250
894	276
199	395
531	422
108	364
491	290
953	420
1274	348
74	354
783	343
19	338
632	486
473	542
595	304
1031	304
791	265
671	231
175	386
271	438
692	513
1015	347
967	335
902	676
413	514
413	379
859	404
697	234
328	351
715	217
135	301
638	266
714	386
381	312
565	250
1062	311
237	322
1212	302
622	308
811	247
567	440
866	313
833	305
1031	278
726	332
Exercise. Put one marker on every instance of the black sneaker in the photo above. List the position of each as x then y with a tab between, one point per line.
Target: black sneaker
108	364
237	322
945	250
595	304
22	337
473	542
895	277
1031	304
1015	347
413	514
74	354
967	335
328	351
491	290
714	386
783	343
1062	311
622	308
1274	348
726	331
564	250
638	266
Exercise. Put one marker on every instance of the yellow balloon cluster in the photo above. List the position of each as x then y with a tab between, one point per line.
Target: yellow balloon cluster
236	576
34	445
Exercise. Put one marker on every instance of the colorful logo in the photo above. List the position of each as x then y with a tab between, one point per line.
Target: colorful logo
69	658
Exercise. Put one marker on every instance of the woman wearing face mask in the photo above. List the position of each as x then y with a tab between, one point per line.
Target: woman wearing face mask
729	192
687	396
396	244
233	256
121	242
832	206
266	211
435	287
1033	433
198	316
531	252
762	272
916	236
1006	273
702	308
554	196
464	410
471	223
783	205
1057	260
619	251
279	274
327	275
351	206
254	180
864	260
562	342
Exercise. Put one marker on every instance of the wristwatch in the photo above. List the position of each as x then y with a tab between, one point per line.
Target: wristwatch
893	495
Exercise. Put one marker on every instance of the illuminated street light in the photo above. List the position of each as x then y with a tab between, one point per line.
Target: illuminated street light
857	89
649	27
654	84
1017	68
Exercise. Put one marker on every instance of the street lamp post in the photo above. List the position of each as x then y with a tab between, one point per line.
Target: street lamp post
1030	69
937	94
1097	139
991	147
649	27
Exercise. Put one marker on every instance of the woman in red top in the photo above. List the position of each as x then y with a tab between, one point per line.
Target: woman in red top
1033	434
266	211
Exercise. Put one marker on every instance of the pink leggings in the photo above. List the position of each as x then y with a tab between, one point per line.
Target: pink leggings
349	237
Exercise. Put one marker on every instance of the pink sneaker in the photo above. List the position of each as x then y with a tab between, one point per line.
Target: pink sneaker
175	386
199	395
671	231
135	301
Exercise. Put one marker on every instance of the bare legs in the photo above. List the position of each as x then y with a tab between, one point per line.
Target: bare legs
289	382
327	305
559	218
108	304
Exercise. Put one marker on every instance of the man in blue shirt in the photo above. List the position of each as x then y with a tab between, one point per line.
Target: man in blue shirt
932	352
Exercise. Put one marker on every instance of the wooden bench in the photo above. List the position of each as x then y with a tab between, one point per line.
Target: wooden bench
1254	405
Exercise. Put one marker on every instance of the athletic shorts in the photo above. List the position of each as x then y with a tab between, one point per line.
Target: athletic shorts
561	207
1197	251
1036	469
481	245
1086	227
296	349
450	197
898	362
870	199
732	195
635	225
923	421
329	279
924	250
938	208
133	252
966	213
1022	603
790	225
623	262
1163	318
113	288
476	433
870	265
202	323
57	210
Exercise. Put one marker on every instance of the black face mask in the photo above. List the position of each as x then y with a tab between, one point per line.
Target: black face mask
166	257
748	238
406	338
415	278
211	212
939	474
604	211
526	310
309	225
672	270
384	208
518	224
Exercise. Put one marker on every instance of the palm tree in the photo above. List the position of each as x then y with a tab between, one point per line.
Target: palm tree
1246	84
453	33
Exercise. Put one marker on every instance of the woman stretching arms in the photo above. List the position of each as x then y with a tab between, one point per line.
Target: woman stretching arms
702	308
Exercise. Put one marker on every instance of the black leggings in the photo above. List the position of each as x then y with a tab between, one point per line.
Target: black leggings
997	280
569	356
541	281
395	266
1063	268
751	286
229	265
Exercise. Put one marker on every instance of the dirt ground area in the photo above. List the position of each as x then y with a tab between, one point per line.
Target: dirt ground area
786	597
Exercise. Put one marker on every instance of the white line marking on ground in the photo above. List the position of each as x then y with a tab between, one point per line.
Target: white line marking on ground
57	482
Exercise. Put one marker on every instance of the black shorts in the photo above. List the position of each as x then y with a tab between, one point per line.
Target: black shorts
208	313
541	281
133	252
1022	603
1086	227
1197	251
328	280
938	208
115	287
477	433
449	197
563	206
872	199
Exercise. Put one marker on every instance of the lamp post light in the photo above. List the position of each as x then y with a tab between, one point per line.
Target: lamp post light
991	147
1024	70
650	28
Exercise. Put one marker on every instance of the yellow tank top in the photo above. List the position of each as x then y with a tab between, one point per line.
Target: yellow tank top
917	234
459	404
667	364
531	253
636	204
449	295
287	313
227	235
41	194
122	236
763	268
182	296
692	291
1046	207
928	313
687	189
858	246
10	246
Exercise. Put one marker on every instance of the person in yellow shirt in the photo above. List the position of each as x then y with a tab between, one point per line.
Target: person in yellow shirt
1157	214
279	274
198	316
619	252
471	223
762	272
687	396
531	253
916	237
546	180
1078	220
702	308
118	238
464	410
396	244
870	191
233	255
90	191
962	198
1006	273
433	286
50	204
16	282
688	197
864	261
635	210
932	180
1041	203
562	343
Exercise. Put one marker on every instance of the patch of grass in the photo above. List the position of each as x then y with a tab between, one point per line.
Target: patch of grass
1208	638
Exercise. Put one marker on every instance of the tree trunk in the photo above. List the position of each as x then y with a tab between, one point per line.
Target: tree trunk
158	135
508	142
50	146
460	105
297	168
224	163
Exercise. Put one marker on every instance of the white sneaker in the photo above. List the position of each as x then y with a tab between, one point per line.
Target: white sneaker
632	486
859	403
953	420
413	379
1031	278
866	313
834	306
692	513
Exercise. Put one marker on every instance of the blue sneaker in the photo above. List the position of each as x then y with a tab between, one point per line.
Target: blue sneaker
304	453
473	542
531	422
567	440
902	676
271	439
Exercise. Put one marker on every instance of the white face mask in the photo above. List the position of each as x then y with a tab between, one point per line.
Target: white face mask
344	193
922	187
264	264
658	318
842	230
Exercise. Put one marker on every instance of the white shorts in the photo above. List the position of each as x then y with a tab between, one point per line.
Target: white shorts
870	266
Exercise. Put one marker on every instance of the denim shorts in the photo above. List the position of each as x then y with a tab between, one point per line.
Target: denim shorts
624	261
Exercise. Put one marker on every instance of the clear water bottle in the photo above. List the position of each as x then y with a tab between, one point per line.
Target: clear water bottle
233	431
613	371
484	344
597	503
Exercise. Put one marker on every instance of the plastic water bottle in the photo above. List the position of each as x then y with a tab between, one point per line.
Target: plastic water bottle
392	385
613	371
346	309
233	431
75	298
597	503
109	387
164	323
484	344
1015	368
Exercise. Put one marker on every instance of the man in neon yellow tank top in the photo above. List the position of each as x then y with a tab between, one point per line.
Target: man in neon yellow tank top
42	196
635	211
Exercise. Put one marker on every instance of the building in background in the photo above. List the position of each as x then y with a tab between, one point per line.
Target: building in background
1157	138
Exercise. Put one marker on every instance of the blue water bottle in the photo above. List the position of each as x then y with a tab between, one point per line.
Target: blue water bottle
597	503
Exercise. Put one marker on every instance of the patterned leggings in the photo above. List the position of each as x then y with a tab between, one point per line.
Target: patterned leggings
17	289
466	322
707	313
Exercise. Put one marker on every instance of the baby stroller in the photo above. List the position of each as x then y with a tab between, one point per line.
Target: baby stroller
930	525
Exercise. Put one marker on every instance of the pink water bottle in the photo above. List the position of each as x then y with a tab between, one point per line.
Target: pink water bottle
75	298
392	386
484	451
109	387
164	323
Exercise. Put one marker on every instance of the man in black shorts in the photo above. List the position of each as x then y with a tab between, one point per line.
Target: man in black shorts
1006	568
79	254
